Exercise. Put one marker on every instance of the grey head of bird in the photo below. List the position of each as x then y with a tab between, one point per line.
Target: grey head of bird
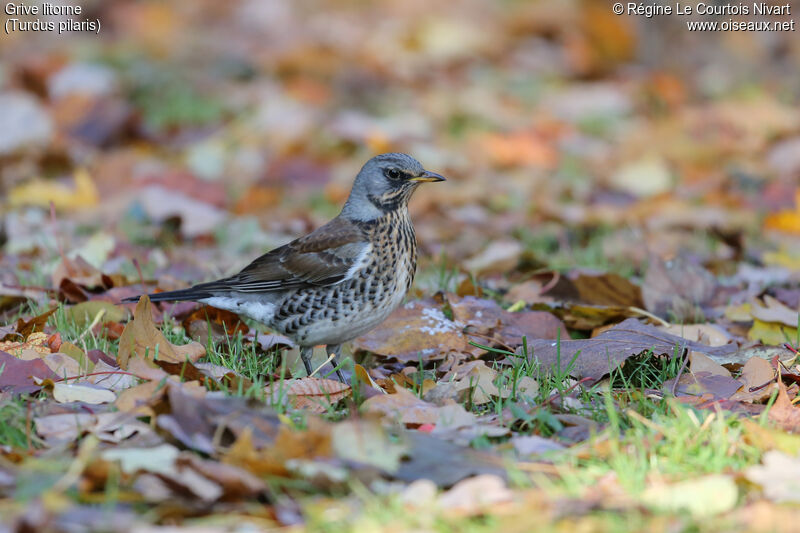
384	184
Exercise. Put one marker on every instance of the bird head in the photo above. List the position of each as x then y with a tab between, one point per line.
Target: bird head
386	183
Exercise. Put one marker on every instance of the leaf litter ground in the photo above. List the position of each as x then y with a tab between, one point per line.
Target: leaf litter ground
603	333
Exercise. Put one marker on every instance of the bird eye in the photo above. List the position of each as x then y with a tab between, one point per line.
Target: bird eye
393	174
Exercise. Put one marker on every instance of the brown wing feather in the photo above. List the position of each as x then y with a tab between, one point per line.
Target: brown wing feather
323	257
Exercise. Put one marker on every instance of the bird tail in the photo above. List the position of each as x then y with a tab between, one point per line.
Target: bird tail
198	292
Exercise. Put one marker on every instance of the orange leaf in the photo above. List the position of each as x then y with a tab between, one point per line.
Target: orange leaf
786	221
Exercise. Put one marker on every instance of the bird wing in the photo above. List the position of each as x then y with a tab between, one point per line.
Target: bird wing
325	256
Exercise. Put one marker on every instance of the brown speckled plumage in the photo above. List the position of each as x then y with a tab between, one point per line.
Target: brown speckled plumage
342	279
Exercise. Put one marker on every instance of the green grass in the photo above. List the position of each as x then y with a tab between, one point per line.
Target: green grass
15	430
639	436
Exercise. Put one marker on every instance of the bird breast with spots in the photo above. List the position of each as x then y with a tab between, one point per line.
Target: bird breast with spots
339	313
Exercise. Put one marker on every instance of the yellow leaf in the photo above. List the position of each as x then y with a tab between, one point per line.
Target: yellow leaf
771	333
787	221
41	192
784	257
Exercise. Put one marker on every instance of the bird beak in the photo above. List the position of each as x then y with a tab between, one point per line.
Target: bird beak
428	176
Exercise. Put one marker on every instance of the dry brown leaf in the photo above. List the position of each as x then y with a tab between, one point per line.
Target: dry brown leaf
498	257
704	383
676	286
599	355
757	375
314	394
24	328
311	443
474	381
363	376
487	321
36	342
607	289
139	398
783	412
774	310
141	338
80	272
63	365
108	427
475	495
417	329
405	407
17	375
520	148
702	363
709	334
223	324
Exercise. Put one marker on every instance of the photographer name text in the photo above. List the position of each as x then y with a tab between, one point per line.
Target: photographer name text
731	9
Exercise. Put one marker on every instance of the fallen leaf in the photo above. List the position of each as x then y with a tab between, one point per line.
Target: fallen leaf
769	438
788	220
65	366
607	289
475	495
598	356
499	256
43	192
366	442
587	317
701	497
783	412
139	398
772	333
443	462
417	329
646	177
534	445
719	387
778	475
475	382
218	323
68	392
85	312
774	310
486	320
79	272
710	334
141	338
702	363
676	288
311	443
108	427
158	459
314	394
757	376
406	408
36	342
16	375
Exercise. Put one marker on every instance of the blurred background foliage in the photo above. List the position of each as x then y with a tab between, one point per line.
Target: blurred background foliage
192	134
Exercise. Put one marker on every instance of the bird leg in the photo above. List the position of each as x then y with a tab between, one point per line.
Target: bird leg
305	354
336	351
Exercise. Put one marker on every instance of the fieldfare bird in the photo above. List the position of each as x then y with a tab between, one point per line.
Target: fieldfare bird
342	279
